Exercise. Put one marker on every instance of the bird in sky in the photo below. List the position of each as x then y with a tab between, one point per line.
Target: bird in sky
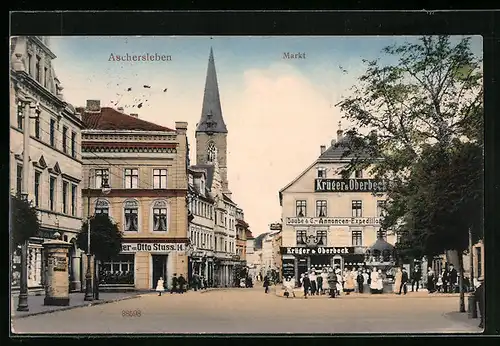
129	89
165	90
147	87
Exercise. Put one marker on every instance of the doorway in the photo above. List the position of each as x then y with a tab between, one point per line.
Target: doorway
338	263
159	269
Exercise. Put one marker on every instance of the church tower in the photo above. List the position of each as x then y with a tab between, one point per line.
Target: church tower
211	131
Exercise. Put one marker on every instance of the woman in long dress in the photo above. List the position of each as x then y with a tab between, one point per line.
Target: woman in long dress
349	282
374	281
397	281
160	286
380	282
339	282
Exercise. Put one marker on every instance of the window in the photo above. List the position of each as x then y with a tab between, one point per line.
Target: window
73	144
358	174
321	237
65	197
119	270
159	178
37	69
301	237
52	193
131	216
131	178
20	115
382	234
37	188
73	199
300	208
45	76
52	133
479	269
357	238
30	60
101	207
321	209
160	216
380	208
37	127
211	152
65	139
101	175
357	209
19	179
321	172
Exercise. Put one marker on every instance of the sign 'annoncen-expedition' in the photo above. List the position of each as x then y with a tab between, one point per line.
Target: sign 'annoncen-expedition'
152	247
345	221
349	185
316	251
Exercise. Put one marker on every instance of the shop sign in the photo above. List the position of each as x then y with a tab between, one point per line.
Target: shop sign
349	185
340	221
288	268
152	247
316	251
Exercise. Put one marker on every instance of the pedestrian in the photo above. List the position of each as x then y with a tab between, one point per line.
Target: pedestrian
324	280
415	279
339	282
431	280
439	283
332	282
453	278
397	280
160	286
301	279
314	283
289	286
319	280
266	284
366	281
374	281
182	284
404	281
306	285
380	281
446	279
360	280
354	274
349	282
479	297
175	284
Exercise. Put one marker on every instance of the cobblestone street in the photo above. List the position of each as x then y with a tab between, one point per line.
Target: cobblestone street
253	311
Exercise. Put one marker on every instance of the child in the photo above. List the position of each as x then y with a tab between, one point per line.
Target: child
159	286
439	283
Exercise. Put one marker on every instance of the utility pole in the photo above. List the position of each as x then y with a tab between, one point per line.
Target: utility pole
89	295
472	298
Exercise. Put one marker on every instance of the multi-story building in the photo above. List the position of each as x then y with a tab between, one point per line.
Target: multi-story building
50	171
328	220
145	165
211	151
241	235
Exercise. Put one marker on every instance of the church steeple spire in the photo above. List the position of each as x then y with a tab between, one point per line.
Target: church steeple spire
211	112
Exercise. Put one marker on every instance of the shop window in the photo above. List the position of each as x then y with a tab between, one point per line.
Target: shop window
118	271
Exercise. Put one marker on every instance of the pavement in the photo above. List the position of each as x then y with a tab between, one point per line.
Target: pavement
250	310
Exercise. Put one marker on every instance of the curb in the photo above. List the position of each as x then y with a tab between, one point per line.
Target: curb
15	317
470	322
368	296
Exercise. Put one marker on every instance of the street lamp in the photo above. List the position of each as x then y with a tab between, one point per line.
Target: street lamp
106	189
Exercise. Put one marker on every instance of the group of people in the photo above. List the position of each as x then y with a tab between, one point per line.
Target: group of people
178	285
446	282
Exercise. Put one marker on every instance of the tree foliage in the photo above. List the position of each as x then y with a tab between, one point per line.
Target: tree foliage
105	237
24	221
418	123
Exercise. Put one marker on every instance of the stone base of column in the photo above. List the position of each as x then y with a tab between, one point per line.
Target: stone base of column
56	301
75	286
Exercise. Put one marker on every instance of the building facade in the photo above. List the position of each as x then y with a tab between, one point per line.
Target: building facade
211	154
146	167
241	236
328	220
51	176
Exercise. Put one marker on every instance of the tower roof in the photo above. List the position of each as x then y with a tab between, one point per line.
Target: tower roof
211	112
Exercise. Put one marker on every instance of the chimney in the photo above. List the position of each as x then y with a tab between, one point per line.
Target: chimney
93	106
322	148
339	132
332	143
135	115
181	127
120	109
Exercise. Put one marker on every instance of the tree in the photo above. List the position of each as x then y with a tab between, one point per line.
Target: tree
105	237
24	221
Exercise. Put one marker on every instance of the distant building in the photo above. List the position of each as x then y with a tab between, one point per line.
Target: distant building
331	221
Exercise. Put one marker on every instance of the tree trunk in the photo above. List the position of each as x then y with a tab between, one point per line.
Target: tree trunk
461	283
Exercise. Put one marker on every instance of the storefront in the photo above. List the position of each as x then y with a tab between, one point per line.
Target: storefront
141	264
299	260
201	263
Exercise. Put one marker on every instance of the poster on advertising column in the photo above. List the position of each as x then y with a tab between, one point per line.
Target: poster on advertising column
288	268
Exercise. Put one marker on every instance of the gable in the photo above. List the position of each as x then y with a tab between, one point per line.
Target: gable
56	169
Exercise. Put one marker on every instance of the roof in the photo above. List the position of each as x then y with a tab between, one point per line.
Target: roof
336	151
112	119
241	223
258	240
249	234
210	173
381	245
211	112
227	199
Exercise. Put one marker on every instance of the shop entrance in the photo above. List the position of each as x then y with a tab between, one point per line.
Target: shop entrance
159	269
338	263
301	266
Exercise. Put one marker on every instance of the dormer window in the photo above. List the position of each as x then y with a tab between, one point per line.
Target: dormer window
358	174
321	172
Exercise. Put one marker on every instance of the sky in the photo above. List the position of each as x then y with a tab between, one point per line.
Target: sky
278	112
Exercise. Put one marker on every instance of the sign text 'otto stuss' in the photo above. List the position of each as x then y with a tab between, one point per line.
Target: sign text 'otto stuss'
152	247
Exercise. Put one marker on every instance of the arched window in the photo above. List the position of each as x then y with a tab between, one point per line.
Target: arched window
102	206
211	152
131	211
160	222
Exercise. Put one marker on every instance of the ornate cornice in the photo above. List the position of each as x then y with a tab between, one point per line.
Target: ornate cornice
129	147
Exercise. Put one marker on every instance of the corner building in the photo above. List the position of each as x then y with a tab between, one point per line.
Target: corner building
327	220
146	167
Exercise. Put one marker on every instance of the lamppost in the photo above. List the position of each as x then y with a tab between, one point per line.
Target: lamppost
105	188
35	110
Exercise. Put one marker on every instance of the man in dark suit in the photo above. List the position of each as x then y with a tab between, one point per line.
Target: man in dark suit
404	282
479	297
415	279
453	277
